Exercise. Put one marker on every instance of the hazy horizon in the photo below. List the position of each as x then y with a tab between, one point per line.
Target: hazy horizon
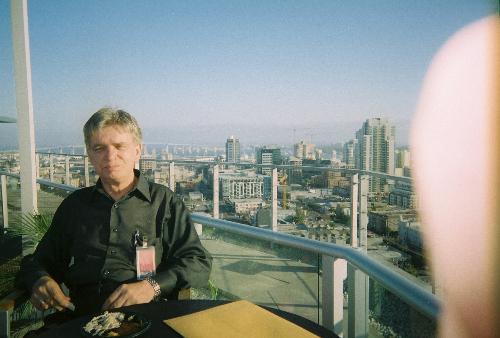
215	135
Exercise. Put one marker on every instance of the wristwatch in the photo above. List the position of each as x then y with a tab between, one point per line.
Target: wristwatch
156	287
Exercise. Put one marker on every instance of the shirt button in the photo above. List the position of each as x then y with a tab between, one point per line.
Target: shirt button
115	229
113	252
115	205
105	273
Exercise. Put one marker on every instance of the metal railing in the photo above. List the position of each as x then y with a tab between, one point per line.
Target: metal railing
361	267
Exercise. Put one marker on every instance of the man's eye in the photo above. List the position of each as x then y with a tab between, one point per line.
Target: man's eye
97	149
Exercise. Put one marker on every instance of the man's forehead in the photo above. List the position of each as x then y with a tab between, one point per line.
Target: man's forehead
112	133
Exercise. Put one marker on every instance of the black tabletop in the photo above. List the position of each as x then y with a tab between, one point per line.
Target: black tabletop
159	311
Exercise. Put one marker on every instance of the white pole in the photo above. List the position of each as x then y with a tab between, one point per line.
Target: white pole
24	104
215	190
5	206
171	176
354	210
363	212
274	200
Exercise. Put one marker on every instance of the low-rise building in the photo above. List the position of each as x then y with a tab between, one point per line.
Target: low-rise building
403	196
244	185
410	234
244	206
385	221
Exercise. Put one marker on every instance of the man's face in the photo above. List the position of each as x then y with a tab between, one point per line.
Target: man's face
113	152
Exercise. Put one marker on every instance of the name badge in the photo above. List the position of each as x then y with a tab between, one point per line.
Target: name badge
145	260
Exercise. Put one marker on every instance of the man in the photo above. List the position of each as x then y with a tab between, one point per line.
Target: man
97	233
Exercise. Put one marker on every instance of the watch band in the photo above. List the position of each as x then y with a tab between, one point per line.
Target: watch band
156	287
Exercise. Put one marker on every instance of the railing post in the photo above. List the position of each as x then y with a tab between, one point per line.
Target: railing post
215	197
171	176
5	206
66	166
334	274
354	210
274	200
358	288
5	323
363	212
51	168
86	170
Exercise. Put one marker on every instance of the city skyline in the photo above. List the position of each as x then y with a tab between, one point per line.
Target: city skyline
269	72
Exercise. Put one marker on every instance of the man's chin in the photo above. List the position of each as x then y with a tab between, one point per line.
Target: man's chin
114	177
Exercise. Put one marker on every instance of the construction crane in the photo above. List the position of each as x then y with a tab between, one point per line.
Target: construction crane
283	185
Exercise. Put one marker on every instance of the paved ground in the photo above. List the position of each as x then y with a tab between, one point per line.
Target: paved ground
265	278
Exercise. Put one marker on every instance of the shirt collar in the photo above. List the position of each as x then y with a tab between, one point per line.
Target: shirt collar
142	186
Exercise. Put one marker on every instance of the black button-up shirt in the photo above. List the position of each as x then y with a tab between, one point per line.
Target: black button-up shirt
91	240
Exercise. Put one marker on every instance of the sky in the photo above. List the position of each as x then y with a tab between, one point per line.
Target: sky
200	71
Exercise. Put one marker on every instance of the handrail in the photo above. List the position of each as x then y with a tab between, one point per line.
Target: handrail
43	181
413	294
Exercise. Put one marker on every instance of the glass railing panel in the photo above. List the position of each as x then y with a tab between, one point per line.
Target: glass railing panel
193	183
49	198
264	273
244	195
391	317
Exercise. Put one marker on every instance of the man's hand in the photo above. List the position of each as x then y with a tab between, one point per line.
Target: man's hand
129	294
47	293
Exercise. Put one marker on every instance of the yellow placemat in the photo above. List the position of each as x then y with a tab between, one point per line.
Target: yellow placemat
236	319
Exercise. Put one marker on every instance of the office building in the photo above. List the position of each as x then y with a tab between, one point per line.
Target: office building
268	156
233	150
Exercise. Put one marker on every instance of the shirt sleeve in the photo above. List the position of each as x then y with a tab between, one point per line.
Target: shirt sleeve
51	257
185	262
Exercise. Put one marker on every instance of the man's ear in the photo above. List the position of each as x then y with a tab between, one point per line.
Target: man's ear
138	151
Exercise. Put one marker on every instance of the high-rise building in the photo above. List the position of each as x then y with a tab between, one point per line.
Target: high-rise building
402	162
233	150
375	149
267	155
304	150
402	158
349	156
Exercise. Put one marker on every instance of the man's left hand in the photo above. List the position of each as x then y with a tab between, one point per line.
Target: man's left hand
129	294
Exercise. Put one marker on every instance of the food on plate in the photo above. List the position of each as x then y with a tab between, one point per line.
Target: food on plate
112	324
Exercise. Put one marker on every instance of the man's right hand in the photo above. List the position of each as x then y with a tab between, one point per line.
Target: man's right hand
47	293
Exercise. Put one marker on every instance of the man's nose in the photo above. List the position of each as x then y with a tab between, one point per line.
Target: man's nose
110	153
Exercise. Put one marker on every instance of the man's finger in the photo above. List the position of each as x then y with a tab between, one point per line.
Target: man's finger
59	299
111	299
38	303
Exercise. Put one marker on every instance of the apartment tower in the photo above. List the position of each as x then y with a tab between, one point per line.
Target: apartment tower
374	150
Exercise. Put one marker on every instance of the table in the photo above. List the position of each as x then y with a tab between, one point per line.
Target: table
158	311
